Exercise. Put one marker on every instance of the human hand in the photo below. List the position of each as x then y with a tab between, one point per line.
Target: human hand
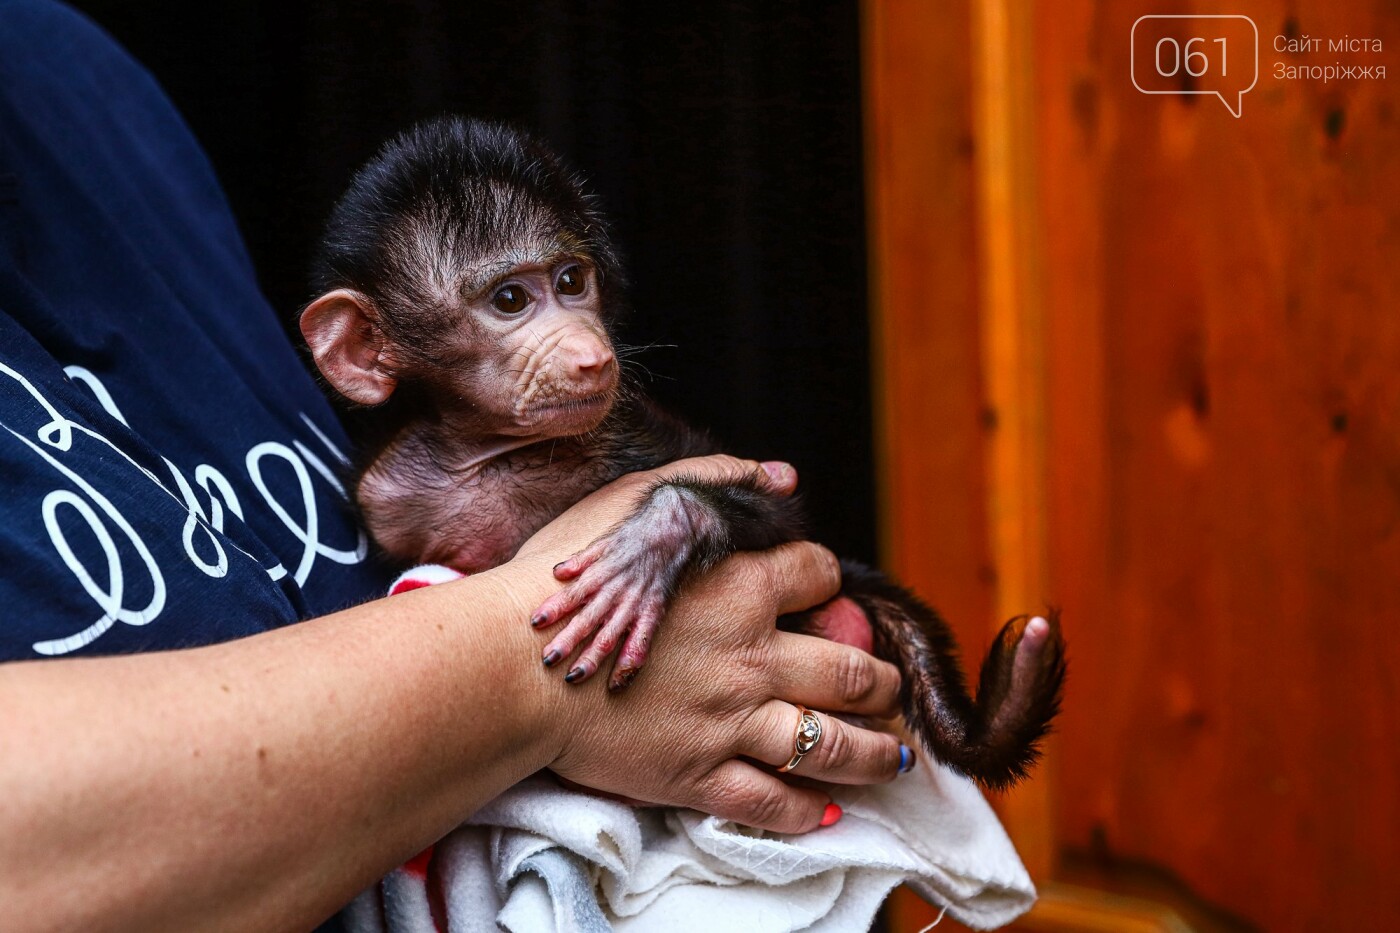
723	683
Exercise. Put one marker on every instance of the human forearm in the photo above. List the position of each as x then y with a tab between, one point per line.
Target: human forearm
257	785
260	783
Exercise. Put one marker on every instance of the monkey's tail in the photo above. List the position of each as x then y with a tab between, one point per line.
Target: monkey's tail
993	739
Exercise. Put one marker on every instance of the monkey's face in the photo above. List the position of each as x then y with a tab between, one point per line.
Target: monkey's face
542	364
521	352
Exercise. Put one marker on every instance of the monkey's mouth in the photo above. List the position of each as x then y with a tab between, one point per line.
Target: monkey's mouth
560	417
586	404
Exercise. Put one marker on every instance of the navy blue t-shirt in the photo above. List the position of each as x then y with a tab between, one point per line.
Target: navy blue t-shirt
170	475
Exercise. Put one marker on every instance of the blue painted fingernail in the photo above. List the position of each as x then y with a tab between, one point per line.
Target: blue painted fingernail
538	619
907	759
552	658
574	675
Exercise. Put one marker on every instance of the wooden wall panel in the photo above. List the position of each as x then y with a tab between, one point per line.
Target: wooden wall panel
1225	463
1220	301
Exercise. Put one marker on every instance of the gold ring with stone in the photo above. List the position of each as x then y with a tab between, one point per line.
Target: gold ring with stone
809	733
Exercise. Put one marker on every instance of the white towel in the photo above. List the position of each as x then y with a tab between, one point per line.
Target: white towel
544	859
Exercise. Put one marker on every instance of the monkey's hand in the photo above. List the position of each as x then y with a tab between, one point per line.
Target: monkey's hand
620	585
617	589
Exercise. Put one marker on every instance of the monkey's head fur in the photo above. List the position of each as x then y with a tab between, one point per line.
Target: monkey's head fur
468	266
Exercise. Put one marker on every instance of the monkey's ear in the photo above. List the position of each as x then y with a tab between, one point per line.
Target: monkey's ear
342	330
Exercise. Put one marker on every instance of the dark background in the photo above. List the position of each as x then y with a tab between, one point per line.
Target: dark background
724	139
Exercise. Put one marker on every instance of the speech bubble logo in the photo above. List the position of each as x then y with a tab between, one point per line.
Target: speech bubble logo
1189	54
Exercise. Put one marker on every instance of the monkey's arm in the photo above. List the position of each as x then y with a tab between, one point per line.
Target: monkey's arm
618	588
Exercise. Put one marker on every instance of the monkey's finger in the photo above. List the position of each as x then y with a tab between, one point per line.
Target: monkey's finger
635	648
567	600
591	615
845	754
827	675
617	620
575	564
741	792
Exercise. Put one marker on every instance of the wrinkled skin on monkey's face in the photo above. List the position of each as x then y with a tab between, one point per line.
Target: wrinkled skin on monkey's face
539	327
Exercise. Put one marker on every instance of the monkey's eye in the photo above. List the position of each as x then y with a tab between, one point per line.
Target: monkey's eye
510	300
571	281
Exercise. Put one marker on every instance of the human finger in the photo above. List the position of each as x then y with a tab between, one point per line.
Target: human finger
825	674
772	475
844	753
795	576
741	792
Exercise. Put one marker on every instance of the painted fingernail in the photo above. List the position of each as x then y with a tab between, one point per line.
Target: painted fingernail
552	658
538	619
777	470
575	675
907	759
830	815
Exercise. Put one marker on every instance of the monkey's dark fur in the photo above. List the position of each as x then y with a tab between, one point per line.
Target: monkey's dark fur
411	236
459	187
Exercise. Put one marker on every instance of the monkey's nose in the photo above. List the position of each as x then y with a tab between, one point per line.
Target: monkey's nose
600	359
591	362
